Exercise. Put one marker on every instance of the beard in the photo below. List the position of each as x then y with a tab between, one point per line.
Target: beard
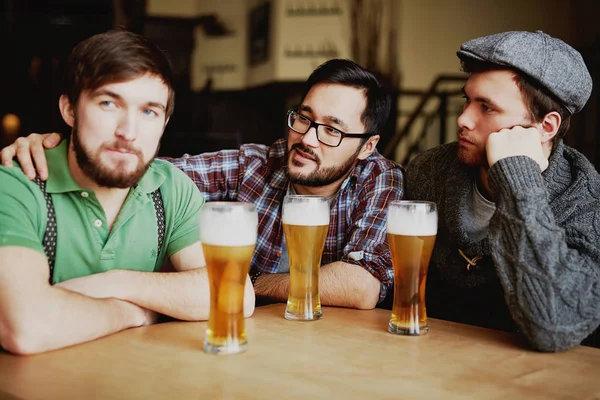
473	156
116	177
321	176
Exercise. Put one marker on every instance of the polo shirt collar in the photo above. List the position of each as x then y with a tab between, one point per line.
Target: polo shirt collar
60	179
59	176
151	180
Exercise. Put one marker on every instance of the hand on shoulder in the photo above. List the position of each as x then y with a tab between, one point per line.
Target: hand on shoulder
29	151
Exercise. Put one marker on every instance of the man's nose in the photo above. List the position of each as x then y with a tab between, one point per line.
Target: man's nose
465	119
310	137
126	128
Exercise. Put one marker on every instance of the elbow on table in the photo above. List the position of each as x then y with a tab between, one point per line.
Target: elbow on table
21	341
366	299
552	341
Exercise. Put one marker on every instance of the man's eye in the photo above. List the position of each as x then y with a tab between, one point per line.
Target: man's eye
331	131
108	104
485	107
303	119
150	112
466	102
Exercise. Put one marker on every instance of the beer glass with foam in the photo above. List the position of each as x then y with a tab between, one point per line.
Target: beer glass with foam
411	231
305	225
228	235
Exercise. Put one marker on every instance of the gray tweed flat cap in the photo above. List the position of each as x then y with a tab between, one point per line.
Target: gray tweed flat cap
550	61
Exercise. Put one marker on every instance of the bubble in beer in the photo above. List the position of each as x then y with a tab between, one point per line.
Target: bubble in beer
407	221
306	213
234	228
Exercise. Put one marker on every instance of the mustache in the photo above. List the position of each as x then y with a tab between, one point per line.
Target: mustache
123	145
306	150
462	136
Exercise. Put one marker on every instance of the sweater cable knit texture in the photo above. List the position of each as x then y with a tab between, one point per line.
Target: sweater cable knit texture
538	267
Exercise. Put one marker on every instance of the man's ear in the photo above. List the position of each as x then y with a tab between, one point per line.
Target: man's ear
549	126
66	110
369	147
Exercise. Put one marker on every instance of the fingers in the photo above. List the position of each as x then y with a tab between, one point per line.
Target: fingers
51	140
7	154
28	150
24	156
39	157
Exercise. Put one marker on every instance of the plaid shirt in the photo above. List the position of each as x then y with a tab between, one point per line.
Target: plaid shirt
255	174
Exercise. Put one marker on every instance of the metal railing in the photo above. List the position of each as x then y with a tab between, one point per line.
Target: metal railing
441	114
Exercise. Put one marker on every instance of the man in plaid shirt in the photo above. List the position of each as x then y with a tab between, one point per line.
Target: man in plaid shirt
320	157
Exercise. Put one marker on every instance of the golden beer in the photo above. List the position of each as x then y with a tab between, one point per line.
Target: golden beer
410	258
228	236
305	225
227	269
305	246
411	232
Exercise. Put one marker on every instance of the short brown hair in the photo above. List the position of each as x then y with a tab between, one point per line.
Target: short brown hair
115	56
537	99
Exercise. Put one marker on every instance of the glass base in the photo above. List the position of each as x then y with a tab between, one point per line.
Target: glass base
409	331
224	349
303	317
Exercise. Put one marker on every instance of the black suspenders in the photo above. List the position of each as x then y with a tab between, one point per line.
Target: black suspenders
50	234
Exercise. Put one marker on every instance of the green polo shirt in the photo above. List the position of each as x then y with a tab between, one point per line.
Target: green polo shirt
85	245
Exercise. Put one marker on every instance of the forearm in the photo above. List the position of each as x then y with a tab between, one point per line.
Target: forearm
348	285
340	284
551	282
273	286
183	295
63	319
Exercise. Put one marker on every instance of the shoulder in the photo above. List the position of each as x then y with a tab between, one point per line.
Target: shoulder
170	172
581	165
437	162
439	156
254	150
376	164
259	156
569	168
179	193
175	182
14	181
21	199
432	170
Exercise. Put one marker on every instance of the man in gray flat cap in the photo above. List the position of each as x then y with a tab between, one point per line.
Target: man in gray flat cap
518	245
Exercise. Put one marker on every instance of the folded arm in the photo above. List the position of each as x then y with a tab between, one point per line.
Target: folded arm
550	274
340	284
36	317
183	294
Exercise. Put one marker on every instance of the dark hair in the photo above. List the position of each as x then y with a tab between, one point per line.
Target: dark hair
115	56
348	73
538	100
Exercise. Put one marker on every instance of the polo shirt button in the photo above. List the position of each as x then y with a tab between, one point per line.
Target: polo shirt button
278	254
84	194
97	223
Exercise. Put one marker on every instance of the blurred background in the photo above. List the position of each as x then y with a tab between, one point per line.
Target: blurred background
240	64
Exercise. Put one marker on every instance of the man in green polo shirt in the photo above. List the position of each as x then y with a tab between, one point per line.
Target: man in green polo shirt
80	257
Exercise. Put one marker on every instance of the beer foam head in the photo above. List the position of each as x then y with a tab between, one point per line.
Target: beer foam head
414	219
306	210
228	224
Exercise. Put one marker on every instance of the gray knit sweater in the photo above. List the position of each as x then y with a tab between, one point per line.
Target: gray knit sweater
539	271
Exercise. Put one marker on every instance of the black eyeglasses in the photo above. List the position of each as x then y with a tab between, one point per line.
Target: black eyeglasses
326	134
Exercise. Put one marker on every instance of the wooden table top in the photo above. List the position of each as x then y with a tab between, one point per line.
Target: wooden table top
347	354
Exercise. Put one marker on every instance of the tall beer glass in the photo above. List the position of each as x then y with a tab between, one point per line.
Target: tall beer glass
228	235
411	230
305	225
